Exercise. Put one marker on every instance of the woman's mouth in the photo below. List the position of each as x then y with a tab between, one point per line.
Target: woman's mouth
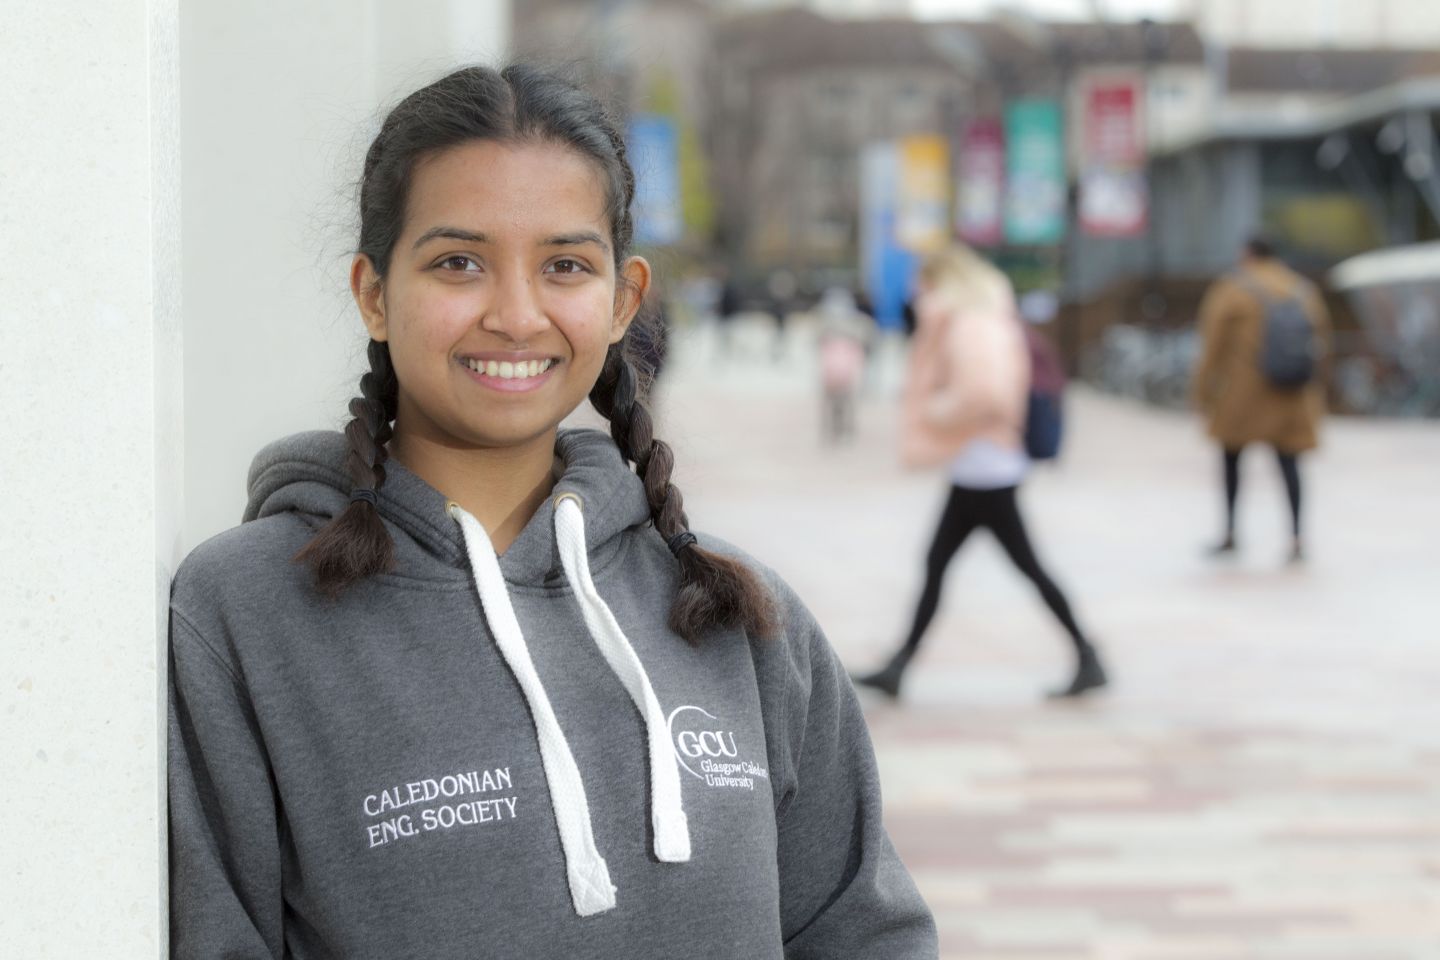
508	369
509	375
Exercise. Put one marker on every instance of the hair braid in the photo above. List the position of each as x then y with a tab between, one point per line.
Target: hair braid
355	544
715	590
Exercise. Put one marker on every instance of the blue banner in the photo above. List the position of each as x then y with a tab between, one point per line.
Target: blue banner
654	151
886	267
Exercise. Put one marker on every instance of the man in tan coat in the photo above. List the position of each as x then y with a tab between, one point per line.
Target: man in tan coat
1264	331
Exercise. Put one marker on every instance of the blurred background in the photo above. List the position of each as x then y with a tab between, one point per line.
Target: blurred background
1262	778
1111	157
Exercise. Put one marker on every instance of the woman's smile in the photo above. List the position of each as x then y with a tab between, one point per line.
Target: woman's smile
509	373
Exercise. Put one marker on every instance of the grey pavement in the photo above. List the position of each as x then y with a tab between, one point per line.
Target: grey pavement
1262	780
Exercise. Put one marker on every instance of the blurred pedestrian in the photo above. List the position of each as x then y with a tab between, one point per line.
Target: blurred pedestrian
844	335
965	400
1264	330
728	305
783	287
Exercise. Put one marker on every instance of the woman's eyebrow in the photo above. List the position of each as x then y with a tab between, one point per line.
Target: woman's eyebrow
451	233
576	239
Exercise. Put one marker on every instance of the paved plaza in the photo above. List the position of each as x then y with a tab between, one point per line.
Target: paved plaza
1262	780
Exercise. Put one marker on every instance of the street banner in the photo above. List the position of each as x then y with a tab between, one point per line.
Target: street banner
1035	172
980	186
923	211
1113	195
885	266
654	151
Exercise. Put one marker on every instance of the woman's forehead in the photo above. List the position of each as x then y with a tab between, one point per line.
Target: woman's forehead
503	189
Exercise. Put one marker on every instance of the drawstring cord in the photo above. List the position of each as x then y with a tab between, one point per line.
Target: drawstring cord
590	888
589	878
667	815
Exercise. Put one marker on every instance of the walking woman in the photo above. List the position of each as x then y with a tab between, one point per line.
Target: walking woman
964	406
464	684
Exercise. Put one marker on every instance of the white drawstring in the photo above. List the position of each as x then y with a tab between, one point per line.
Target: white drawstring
667	815
590	888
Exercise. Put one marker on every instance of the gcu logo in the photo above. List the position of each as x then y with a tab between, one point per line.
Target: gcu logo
695	740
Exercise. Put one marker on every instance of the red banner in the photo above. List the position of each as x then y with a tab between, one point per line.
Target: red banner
979	199
1113	195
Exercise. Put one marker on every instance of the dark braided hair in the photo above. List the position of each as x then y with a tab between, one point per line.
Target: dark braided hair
356	544
715	590
518	104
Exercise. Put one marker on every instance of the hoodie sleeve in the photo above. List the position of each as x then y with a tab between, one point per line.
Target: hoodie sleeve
225	896
843	891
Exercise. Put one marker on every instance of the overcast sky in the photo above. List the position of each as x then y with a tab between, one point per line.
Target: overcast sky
1055	9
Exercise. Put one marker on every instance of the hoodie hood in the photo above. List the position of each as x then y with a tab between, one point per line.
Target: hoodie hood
305	474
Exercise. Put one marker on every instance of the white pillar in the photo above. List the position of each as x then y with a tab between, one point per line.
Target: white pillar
91	394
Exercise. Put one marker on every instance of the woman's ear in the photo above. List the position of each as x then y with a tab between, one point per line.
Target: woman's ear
369	296
630	289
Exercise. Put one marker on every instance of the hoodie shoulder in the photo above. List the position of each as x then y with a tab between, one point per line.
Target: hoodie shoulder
244	565
792	616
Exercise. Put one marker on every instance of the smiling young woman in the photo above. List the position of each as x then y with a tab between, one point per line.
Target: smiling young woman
502	263
377	751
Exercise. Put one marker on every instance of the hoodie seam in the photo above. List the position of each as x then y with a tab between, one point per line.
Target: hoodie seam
402	582
782	804
207	647
787	796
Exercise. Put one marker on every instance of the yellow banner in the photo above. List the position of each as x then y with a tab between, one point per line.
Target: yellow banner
922	216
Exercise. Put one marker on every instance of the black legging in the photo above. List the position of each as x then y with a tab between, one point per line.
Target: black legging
1289	469
997	511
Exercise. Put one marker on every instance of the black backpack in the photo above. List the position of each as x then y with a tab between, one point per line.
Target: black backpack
1044	425
1287	351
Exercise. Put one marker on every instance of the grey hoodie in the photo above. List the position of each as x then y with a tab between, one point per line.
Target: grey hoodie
364	777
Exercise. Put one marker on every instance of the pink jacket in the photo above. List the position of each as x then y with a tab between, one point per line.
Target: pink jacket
968	379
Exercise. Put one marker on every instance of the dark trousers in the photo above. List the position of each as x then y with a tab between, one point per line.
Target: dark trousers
997	511
1289	470
839	415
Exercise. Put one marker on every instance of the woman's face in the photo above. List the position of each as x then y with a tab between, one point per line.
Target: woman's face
502	295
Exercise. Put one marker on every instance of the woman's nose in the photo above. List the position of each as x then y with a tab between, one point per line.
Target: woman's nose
514	311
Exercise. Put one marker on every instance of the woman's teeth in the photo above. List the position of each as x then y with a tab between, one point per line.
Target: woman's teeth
506	370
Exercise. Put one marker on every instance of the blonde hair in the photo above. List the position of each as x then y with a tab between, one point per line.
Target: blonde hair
963	277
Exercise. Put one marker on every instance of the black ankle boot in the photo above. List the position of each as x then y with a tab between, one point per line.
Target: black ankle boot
887	679
1089	675
1225	548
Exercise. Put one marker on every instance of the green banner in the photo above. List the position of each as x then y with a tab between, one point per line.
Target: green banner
1035	173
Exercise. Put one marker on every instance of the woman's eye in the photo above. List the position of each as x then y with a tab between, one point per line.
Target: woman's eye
566	266
458	263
